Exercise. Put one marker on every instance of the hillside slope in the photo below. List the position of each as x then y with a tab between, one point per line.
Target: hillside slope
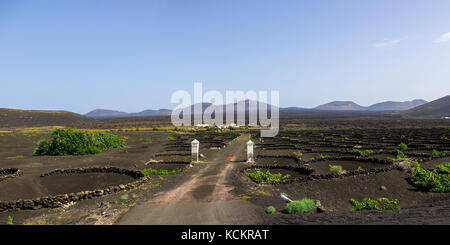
435	108
396	105
34	118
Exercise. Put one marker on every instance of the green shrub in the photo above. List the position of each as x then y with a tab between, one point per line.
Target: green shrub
430	180
172	138
261	177
337	169
383	188
77	142
403	146
270	210
382	203
436	153
149	171
303	206
321	156
400	155
444	167
360	168
213	128
363	152
10	221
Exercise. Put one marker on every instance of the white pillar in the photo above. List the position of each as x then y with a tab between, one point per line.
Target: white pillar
195	145
250	151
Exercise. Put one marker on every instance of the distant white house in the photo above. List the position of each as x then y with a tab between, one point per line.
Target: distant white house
202	125
222	126
233	125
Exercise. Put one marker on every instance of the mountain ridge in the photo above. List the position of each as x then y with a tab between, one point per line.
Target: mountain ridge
332	106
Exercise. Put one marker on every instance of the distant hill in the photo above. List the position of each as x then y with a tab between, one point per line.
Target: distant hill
35	118
340	106
383	106
396	106
103	113
146	113
435	108
99	113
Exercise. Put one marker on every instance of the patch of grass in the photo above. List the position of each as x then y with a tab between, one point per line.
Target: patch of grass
444	167
262	177
261	193
321	156
303	206
124	197
345	139
400	155
436	153
430	180
77	142
363	152
10	221
360	168
243	197
160	172
172	138
337	169
271	209
381	203
18	156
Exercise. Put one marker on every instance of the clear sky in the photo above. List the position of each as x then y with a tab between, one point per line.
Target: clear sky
132	55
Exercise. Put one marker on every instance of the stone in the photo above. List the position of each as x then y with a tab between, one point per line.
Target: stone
320	208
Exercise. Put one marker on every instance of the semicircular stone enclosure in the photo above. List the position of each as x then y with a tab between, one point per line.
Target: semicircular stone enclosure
61	186
6	173
344	164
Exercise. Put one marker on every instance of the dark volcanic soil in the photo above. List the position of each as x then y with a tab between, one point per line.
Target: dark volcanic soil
216	191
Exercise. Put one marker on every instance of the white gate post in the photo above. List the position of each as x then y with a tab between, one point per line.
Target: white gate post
250	151
195	145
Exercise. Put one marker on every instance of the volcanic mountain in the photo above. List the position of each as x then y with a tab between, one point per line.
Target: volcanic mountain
340	106
435	108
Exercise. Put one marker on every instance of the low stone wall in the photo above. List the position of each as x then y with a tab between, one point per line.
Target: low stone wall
6	173
278	156
187	153
334	175
149	163
300	169
352	158
59	200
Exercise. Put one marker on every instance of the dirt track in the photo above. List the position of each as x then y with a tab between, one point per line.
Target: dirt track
204	199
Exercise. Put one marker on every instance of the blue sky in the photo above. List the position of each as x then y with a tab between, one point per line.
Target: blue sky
132	55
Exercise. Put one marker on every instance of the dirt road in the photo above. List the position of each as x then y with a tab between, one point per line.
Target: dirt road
204	199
